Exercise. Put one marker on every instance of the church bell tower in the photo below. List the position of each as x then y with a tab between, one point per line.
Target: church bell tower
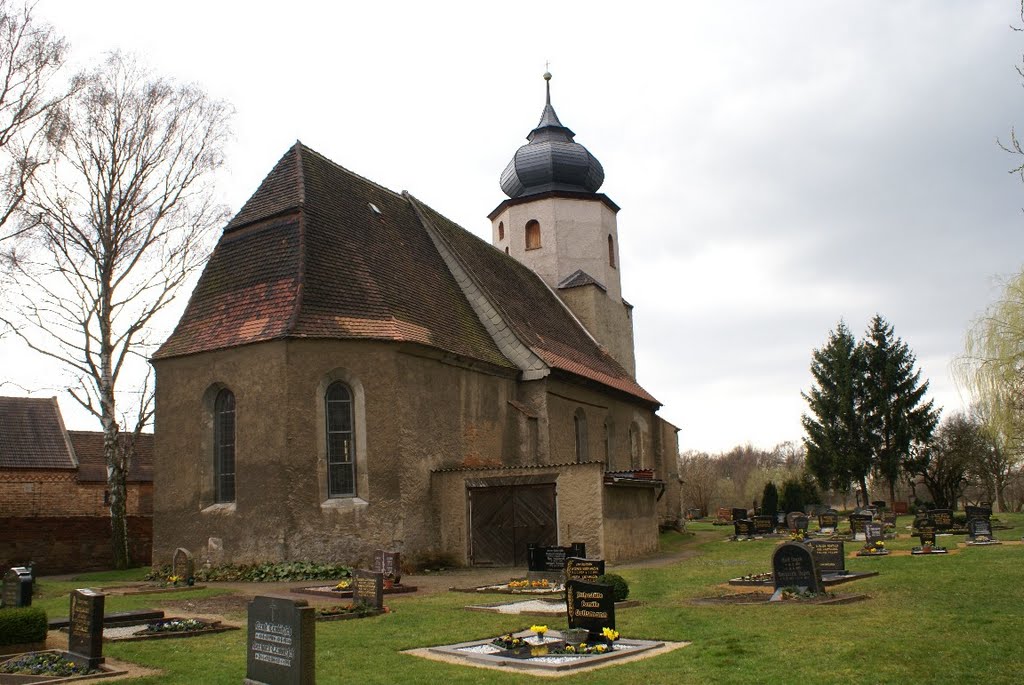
556	223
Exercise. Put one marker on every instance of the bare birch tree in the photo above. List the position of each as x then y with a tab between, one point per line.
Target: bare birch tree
115	226
32	58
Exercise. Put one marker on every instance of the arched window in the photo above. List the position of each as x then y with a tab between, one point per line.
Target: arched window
506	250
636	447
611	252
341	469
532	234
501	230
608	428
224	446
579	421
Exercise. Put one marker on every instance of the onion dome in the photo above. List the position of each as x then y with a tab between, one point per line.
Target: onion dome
551	160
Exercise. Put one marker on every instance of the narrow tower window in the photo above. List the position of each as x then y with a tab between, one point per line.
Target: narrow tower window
341	473
611	252
579	421
532	234
501	230
224	446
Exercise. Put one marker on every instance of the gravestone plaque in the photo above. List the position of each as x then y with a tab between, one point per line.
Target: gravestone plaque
979	528
793	565
724	514
873	532
830	555
17	588
388	563
590	606
889	519
587	570
857	522
828	520
551	559
282	642
927	536
368	588
182	564
85	628
975	512
743	528
799	523
738	514
763	525
943	518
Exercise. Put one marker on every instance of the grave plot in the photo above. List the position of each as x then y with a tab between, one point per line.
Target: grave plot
928	545
387	564
165	628
831	559
979	532
874	540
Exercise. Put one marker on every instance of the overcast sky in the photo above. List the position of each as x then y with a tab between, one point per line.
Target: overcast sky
780	166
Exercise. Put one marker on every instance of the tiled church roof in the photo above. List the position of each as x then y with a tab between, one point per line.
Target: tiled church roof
320	252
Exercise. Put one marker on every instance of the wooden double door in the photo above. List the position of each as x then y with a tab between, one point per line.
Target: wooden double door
505	519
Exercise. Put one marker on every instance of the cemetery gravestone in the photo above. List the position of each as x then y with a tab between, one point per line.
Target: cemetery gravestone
943	518
368	588
724	514
587	570
590	606
873	533
857	522
282	642
17	588
889	519
793	565
979	529
85	628
545	559
743	528
764	525
975	512
878	504
927	537
738	514
828	521
790	518
829	555
388	563
799	523
183	566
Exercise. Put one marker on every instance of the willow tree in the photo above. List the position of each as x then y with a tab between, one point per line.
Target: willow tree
992	369
114	228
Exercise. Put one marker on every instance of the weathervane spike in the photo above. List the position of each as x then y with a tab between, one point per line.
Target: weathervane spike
547	80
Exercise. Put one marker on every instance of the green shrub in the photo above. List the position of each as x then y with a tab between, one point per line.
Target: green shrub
620	588
261	573
22	625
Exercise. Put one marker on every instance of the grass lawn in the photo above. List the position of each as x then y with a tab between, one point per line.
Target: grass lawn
957	618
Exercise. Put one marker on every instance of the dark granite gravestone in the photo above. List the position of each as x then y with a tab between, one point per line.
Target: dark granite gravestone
922	517
368	588
182	565
793	565
738	514
590	606
799	523
878	504
551	559
790	517
764	525
873	532
975	512
979	528
743	528
828	520
693	514
943	518
85	628
281	649
587	570
857	522
889	519
17	588
927	536
388	563
829	555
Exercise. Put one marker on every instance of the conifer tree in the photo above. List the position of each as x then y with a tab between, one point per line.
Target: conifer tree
896	417
837	449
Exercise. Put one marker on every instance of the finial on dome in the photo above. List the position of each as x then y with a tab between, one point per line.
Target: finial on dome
547	80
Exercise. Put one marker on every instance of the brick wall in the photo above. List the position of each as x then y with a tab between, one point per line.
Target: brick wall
59	493
70	544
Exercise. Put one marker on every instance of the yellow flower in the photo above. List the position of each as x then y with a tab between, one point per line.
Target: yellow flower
610	633
540	630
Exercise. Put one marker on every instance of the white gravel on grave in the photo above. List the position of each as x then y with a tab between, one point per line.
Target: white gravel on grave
123	631
480	649
530	605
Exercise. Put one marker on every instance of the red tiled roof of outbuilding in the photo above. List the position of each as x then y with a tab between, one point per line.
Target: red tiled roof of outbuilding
32	434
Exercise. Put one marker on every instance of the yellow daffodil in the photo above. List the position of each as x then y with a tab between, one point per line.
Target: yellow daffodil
540	630
610	633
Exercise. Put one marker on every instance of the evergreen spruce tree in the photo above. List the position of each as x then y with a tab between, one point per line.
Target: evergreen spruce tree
896	417
837	448
770	499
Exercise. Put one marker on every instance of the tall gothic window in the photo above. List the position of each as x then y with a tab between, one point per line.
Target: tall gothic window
580	425
224	446
611	252
532	234
501	230
341	468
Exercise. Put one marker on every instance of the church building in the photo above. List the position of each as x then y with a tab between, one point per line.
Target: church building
354	371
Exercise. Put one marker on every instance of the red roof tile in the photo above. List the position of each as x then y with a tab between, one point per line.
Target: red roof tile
32	434
319	251
92	466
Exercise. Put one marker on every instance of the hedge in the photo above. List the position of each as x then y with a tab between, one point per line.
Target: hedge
22	625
